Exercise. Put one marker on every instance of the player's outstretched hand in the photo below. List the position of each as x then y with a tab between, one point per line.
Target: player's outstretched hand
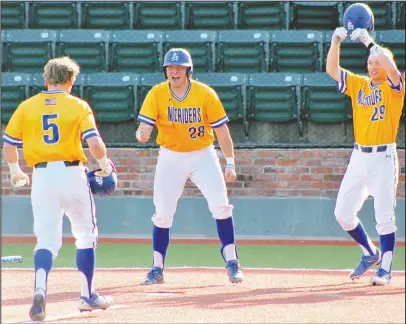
19	178
340	34
229	173
362	35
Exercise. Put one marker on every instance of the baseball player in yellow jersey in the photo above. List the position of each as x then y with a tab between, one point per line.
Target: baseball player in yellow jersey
50	126
187	113
377	103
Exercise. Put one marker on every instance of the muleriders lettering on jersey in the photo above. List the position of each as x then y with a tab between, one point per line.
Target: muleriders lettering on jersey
369	100
184	115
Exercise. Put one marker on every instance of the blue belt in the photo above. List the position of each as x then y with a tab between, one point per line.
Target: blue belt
369	149
67	163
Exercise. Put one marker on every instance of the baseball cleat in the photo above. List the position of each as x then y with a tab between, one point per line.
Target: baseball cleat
367	261
155	276
96	301
234	271
37	310
381	278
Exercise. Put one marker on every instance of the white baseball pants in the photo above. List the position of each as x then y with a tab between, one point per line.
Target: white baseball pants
172	171
58	189
374	174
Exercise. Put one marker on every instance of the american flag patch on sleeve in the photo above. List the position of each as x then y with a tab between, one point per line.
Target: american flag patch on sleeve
50	101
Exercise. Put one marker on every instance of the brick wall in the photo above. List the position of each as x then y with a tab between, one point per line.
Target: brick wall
261	172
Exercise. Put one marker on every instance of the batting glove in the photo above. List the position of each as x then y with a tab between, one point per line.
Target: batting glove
106	167
361	35
18	177
340	34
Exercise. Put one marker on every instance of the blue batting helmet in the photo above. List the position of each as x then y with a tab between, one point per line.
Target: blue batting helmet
358	15
102	186
178	56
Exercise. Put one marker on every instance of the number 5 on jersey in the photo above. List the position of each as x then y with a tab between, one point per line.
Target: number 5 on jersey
49	125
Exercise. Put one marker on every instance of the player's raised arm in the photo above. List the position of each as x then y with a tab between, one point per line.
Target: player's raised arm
333	56
383	55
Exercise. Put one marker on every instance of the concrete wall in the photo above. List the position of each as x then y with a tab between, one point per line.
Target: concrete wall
268	218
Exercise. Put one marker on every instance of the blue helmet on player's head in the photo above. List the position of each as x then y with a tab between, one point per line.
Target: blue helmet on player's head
178	56
102	186
358	15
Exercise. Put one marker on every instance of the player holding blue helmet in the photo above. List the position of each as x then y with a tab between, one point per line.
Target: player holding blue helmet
51	126
377	101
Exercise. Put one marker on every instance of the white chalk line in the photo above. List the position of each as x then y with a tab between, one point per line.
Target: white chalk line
319	270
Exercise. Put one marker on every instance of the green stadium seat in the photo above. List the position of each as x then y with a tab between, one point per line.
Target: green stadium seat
242	51
112	96
353	55
200	44
147	81
400	15
295	51
382	11
231	88
87	47
28	50
105	15
14	88
272	97
135	51
321	101
395	41
52	15
12	14
209	15
261	15
320	15
38	85
157	15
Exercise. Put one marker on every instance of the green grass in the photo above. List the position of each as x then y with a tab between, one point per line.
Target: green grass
140	255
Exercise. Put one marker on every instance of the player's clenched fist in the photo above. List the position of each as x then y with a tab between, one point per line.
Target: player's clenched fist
18	177
229	173
339	34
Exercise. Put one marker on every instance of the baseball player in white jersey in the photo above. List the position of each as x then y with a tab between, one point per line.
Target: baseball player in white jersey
186	112
377	103
50	126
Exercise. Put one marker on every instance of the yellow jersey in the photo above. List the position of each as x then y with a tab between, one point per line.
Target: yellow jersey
50	126
376	109
184	124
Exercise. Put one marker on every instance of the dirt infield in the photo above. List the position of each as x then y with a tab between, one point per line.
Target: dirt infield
206	296
241	241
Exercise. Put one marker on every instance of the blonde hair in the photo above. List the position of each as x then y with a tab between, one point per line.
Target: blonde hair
61	70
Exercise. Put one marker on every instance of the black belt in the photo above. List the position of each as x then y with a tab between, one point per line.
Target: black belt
370	149
67	163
